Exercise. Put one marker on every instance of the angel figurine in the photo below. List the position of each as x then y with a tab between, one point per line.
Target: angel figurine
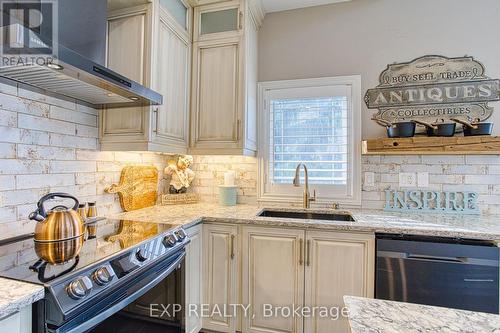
181	175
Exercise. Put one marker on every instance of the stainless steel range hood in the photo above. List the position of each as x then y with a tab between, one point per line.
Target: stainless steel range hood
74	76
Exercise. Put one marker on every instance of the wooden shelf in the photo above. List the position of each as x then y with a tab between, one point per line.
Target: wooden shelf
472	145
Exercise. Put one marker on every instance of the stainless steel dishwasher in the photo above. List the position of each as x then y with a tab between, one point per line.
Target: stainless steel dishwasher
454	273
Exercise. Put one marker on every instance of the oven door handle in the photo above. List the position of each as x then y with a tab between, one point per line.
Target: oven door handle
94	321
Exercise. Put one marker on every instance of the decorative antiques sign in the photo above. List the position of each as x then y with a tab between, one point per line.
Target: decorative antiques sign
432	88
431	202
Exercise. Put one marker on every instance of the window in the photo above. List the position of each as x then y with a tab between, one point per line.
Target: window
316	122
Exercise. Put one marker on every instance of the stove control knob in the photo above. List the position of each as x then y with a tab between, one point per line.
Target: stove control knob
103	275
169	240
181	234
79	288
141	255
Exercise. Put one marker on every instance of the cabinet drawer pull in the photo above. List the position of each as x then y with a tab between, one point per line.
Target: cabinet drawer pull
308	253
301	254
232	246
240	20
155	111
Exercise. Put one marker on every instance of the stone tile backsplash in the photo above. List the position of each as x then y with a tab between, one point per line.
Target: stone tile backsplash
446	173
210	174
479	173
49	145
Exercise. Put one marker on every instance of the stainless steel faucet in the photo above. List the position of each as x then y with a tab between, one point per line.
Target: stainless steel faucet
306	198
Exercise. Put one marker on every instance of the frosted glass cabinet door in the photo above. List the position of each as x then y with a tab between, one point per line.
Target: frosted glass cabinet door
218	21
178	10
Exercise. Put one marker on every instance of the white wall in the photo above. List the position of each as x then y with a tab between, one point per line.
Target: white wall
363	36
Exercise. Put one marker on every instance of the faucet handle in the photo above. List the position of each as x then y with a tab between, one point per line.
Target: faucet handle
313	198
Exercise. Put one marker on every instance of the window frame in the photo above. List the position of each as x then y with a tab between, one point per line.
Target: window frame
352	195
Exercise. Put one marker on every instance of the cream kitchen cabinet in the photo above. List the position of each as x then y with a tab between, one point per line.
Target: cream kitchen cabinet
284	267
336	264
272	273
219	21
152	46
19	322
224	79
194	278
220	276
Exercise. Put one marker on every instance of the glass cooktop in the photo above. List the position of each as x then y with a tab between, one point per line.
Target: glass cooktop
23	259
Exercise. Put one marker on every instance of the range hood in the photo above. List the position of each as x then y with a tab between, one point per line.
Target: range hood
70	73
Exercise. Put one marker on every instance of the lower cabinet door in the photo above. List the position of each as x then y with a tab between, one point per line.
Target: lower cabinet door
194	279
272	277
19	322
336	264
220	267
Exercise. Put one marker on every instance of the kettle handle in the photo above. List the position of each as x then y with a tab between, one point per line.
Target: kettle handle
40	214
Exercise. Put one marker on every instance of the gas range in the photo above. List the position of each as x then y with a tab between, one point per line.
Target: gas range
117	258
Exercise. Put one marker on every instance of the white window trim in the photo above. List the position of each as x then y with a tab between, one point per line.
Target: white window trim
354	182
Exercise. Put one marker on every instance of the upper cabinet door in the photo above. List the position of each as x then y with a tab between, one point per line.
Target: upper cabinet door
172	75
216	104
179	11
218	21
128	54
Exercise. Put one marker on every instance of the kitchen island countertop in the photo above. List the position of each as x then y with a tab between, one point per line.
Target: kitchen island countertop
380	316
455	226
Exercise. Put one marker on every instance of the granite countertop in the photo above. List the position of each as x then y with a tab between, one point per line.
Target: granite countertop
474	227
380	316
16	295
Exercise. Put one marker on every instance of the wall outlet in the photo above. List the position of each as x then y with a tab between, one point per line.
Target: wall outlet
423	179
369	179
407	179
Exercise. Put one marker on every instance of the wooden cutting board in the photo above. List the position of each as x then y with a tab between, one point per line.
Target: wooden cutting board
138	187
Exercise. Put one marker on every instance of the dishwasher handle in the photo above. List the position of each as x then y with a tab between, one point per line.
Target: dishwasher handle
461	260
442	259
424	257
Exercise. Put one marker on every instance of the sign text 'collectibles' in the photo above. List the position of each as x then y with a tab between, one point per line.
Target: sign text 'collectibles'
433	88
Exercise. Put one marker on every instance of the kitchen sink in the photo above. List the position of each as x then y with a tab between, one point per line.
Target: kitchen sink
344	216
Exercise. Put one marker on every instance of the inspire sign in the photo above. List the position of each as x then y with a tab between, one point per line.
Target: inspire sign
431	202
432	88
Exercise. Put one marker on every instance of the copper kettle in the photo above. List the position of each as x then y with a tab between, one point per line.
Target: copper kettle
58	224
59	252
